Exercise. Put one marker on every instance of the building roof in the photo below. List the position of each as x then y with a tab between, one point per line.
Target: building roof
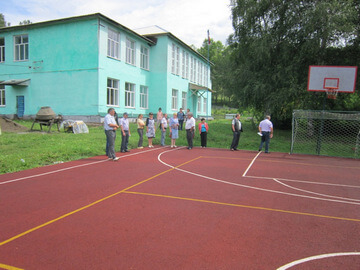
155	31
76	18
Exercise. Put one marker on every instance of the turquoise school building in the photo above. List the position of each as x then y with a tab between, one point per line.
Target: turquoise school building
81	66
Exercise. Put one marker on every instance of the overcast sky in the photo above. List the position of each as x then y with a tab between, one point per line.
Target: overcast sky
188	20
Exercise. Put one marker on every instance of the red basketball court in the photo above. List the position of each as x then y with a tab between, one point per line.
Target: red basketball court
168	208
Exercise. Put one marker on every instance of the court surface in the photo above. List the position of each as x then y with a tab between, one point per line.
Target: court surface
166	208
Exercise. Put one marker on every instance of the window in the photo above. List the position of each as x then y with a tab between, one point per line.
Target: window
205	105
112	92
2	95
187	66
199	104
191	68
175	60
130	51
143	97
129	95
174	99
183	64
2	50
113	49
200	73
183	100
21	48
195	71
206	70
144	58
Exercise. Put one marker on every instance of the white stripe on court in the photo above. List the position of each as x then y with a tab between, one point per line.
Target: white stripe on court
341	200
289	265
252	162
73	167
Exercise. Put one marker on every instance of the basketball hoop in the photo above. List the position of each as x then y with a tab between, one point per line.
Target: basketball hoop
331	92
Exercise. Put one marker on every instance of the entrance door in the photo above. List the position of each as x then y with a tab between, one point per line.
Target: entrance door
20	106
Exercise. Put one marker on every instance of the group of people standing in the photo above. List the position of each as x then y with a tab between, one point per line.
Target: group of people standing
174	124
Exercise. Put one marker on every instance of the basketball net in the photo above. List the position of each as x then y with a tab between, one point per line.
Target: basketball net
331	92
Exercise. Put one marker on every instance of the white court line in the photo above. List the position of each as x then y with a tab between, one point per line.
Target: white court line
315	193
73	167
256	188
248	168
301	181
289	265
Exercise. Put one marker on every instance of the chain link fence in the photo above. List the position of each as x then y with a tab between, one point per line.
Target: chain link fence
327	133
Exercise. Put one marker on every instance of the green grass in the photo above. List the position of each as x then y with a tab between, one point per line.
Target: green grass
34	149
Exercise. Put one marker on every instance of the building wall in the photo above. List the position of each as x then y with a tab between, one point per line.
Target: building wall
69	67
62	66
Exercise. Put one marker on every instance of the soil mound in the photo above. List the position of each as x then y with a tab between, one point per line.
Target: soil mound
8	125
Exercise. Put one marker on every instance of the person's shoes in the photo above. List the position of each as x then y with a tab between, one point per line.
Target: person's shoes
231	149
127	150
175	146
259	150
189	148
122	151
116	158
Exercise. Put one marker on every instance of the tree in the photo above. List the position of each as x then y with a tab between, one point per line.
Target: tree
25	22
274	43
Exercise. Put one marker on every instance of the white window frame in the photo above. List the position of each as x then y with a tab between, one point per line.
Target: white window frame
144	97
184	100
2	96
174	99
183	62
195	70
191	69
187	66
130	51
204	105
206	76
199	104
2	50
144	57
112	92
113	47
129	95
21	48
173	58
200	73
177	61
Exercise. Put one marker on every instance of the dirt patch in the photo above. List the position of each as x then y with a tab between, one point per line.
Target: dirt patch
8	125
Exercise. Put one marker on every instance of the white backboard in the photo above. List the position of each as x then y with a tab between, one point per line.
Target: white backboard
335	77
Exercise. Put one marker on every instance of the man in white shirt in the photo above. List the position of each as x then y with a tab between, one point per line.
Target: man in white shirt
125	133
266	129
190	129
110	127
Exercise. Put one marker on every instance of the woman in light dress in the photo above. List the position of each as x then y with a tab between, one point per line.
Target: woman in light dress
174	129
150	129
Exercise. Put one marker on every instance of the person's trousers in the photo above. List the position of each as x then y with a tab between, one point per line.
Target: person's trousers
190	137
203	136
141	136
162	141
181	122
110	143
124	140
235	141
265	138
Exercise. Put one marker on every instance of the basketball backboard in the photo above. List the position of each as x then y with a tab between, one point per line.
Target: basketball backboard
341	78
